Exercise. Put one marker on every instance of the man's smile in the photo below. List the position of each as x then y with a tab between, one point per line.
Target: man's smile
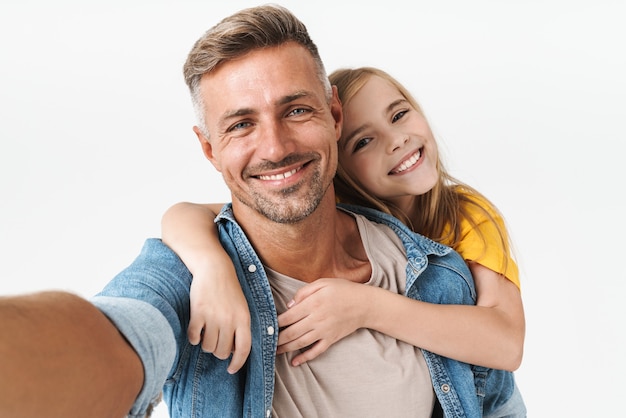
280	176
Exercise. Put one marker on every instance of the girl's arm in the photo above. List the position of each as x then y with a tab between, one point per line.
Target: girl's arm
490	334
220	318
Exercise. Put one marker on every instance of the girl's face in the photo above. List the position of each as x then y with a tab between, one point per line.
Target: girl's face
387	145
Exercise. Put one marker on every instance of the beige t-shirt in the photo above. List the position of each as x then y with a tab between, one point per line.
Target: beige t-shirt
366	374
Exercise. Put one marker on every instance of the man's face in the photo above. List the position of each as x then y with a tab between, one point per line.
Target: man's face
273	136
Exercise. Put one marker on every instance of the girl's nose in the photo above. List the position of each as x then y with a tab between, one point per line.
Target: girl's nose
397	142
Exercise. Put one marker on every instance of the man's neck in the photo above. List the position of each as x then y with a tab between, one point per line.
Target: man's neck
326	244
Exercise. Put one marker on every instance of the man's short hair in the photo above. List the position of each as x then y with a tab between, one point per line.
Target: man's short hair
247	30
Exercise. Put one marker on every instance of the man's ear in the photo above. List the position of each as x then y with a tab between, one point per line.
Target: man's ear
207	149
337	112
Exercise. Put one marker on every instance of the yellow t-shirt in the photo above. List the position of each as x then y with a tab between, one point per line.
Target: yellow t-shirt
487	249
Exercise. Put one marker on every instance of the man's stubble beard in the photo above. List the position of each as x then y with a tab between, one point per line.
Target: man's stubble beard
285	206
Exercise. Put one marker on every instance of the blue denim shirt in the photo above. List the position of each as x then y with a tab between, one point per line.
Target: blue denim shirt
149	303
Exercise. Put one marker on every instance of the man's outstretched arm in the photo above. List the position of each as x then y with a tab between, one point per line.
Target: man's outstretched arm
61	357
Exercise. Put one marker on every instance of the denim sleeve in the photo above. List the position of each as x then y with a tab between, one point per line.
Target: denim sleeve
447	280
149	303
151	336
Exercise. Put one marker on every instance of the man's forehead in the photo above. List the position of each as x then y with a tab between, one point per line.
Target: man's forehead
265	68
267	77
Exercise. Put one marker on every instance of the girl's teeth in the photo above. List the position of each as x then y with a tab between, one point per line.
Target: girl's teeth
409	163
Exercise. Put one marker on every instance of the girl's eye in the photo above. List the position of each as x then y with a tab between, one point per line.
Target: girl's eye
399	116
361	143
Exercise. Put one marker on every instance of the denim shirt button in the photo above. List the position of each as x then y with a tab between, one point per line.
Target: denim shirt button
270	330
445	388
268	413
251	268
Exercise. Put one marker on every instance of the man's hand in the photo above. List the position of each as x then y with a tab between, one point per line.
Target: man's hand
61	357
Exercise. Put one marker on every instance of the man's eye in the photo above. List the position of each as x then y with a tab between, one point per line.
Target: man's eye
399	115
239	126
298	111
361	143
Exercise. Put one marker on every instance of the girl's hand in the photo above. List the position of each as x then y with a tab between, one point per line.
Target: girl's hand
322	313
220	318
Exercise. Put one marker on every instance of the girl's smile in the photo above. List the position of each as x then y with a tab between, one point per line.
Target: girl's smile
388	147
408	163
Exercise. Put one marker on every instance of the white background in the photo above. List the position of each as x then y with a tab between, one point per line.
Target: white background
527	99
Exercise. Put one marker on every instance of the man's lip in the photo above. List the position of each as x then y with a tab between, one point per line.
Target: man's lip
282	173
417	155
279	176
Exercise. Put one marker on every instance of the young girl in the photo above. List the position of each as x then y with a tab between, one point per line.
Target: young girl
388	160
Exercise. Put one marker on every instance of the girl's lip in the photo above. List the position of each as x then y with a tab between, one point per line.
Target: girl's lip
408	162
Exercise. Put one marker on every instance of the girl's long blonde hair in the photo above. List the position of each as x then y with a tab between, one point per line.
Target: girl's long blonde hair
439	212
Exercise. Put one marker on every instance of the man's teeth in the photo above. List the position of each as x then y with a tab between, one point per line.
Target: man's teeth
280	176
408	163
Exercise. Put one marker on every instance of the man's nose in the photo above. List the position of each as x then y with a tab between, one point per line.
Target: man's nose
275	142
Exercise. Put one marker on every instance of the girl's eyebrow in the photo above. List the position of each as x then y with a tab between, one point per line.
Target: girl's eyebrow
361	128
352	134
395	103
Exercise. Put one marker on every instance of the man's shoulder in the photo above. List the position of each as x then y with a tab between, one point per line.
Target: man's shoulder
156	259
156	248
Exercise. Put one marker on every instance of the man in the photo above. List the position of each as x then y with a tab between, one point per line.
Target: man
269	122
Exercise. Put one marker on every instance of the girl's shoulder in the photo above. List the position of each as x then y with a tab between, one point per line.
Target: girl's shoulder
476	204
484	236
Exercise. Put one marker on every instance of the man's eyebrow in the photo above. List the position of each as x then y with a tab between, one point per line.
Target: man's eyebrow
292	97
236	113
244	111
223	121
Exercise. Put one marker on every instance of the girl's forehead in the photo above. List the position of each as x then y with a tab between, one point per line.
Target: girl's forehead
375	97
